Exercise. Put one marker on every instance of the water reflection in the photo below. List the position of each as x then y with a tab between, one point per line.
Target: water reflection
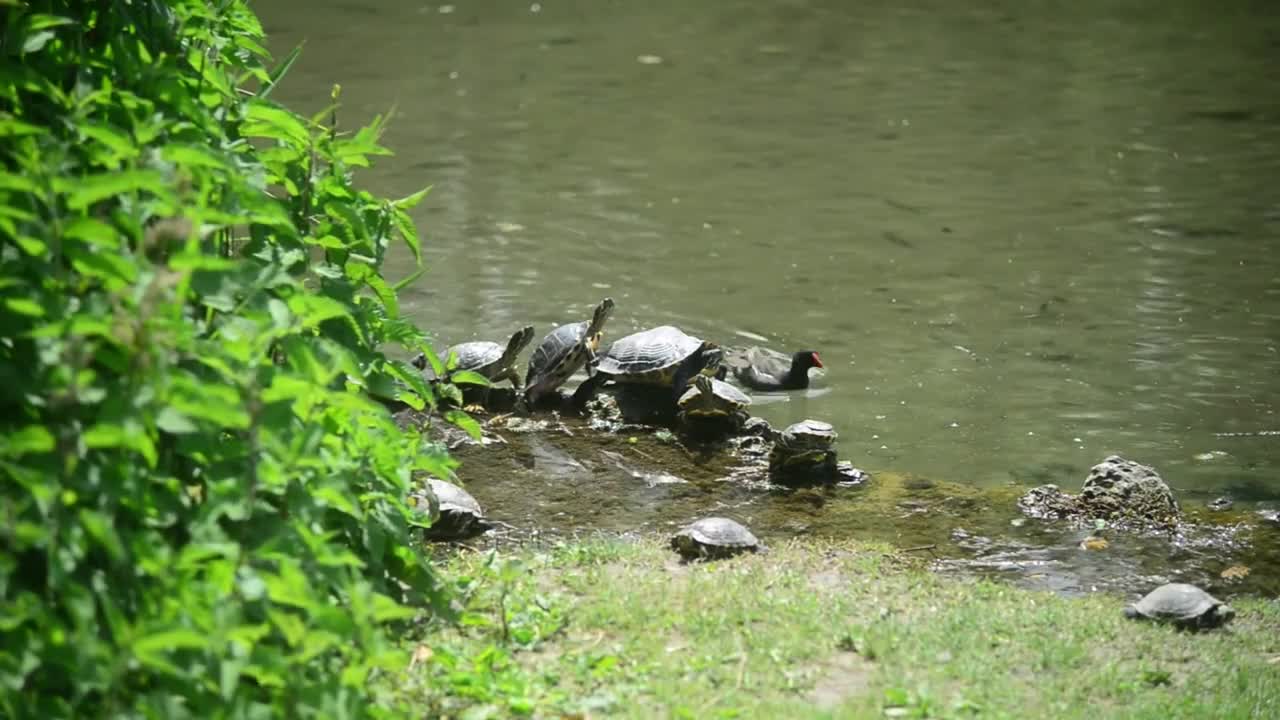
1018	237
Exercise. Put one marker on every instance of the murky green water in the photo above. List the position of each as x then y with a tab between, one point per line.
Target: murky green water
1022	236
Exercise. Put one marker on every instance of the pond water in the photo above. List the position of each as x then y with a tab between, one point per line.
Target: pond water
1021	239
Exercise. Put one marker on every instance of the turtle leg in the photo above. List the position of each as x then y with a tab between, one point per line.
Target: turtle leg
680	382
511	375
586	391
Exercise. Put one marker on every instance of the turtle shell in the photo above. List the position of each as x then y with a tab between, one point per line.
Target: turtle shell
808	435
563	351
477	355
711	397
460	515
482	356
1180	603
648	357
714	537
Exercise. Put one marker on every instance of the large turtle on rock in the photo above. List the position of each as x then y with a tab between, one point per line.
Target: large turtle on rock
1182	605
562	352
664	356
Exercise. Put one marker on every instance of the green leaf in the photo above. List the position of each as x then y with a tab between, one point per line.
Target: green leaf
151	650
106	435
30	439
25	306
464	421
369	275
123	147
106	266
41	21
409	233
93	232
468	377
83	192
267	120
36	41
174	422
311	310
19	183
101	529
192	156
408	202
385	609
280	70
408	279
15	128
32	246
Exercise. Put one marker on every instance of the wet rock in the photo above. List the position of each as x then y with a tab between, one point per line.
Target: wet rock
1048	502
1119	491
750	445
1272	516
603	414
758	427
847	474
1220	504
525	425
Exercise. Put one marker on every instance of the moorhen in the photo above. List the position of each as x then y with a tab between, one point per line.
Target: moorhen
762	369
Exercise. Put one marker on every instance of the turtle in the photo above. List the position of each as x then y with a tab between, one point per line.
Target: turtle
804	447
1183	605
662	356
712	538
713	400
562	352
455	514
764	369
486	358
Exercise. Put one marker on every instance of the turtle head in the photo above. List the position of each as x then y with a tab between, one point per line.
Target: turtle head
703	383
1131	612
599	318
709	357
1224	614
518	342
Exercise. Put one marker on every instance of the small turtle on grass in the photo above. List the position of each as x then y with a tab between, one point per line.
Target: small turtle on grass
713	538
457	515
1182	605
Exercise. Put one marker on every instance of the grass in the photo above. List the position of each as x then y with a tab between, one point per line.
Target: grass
811	630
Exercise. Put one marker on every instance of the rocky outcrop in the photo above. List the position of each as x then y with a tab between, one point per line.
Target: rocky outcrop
1119	491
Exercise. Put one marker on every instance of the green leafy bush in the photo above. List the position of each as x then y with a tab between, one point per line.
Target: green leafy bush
203	507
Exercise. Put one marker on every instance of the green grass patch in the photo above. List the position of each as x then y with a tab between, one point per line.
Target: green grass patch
812	630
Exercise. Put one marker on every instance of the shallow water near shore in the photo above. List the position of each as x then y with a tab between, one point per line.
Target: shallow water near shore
548	479
1021	240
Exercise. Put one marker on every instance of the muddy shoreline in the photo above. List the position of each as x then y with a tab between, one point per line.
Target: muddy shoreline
557	476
